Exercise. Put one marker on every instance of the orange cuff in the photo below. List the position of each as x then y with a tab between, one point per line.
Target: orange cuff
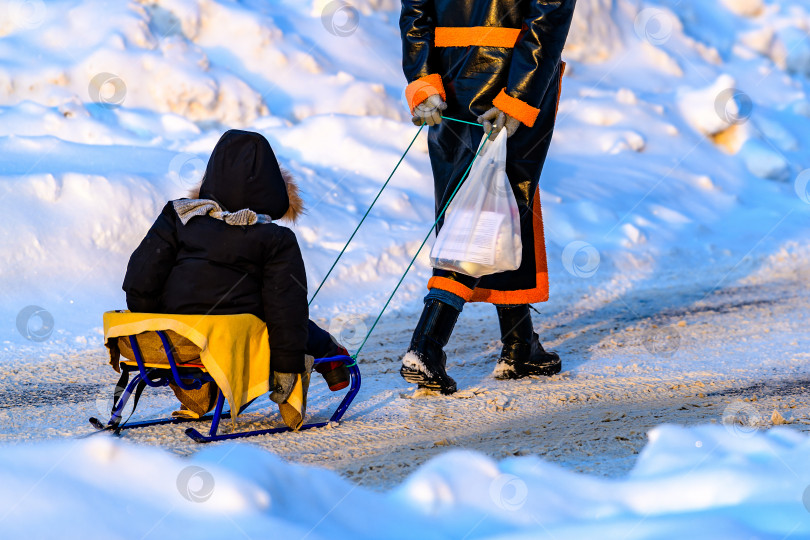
422	88
516	108
445	284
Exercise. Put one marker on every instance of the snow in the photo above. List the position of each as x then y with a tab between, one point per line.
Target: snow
705	482
412	360
109	109
677	190
731	355
501	369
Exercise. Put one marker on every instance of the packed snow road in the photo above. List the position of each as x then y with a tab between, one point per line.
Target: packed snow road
688	354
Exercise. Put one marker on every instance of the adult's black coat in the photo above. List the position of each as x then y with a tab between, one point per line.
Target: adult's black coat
208	266
478	54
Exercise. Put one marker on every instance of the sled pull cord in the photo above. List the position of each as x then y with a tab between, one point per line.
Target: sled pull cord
385	184
435	224
349	241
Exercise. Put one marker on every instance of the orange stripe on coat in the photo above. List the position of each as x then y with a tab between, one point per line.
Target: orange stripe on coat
516	108
445	284
422	88
475	36
524	296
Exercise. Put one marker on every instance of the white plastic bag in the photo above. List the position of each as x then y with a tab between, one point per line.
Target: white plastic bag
481	231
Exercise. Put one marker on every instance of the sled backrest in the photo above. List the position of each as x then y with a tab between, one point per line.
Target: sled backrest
182	348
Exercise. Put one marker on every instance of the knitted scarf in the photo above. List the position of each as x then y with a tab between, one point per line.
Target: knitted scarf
189	208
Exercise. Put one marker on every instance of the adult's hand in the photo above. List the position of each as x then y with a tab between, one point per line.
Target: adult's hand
429	111
495	120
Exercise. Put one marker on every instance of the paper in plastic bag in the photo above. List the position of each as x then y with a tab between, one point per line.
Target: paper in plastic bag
481	231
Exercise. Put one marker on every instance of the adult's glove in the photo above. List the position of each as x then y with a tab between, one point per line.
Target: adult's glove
429	111
495	119
281	386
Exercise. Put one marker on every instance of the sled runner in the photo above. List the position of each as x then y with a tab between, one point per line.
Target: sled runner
189	351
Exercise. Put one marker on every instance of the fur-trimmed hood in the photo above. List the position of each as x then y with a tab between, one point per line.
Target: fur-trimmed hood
296	207
243	173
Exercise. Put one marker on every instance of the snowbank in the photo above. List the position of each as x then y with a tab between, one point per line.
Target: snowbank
704	482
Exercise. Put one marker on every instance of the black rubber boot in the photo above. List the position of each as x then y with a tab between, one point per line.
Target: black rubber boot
424	363
522	353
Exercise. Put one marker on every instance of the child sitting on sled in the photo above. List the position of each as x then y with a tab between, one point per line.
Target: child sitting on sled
221	252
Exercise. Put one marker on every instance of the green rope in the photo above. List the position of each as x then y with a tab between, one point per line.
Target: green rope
435	224
379	193
342	251
461	121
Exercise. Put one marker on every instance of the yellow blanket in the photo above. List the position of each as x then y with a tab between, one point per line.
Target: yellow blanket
233	348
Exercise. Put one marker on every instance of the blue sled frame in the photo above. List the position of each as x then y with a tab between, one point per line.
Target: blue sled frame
192	379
